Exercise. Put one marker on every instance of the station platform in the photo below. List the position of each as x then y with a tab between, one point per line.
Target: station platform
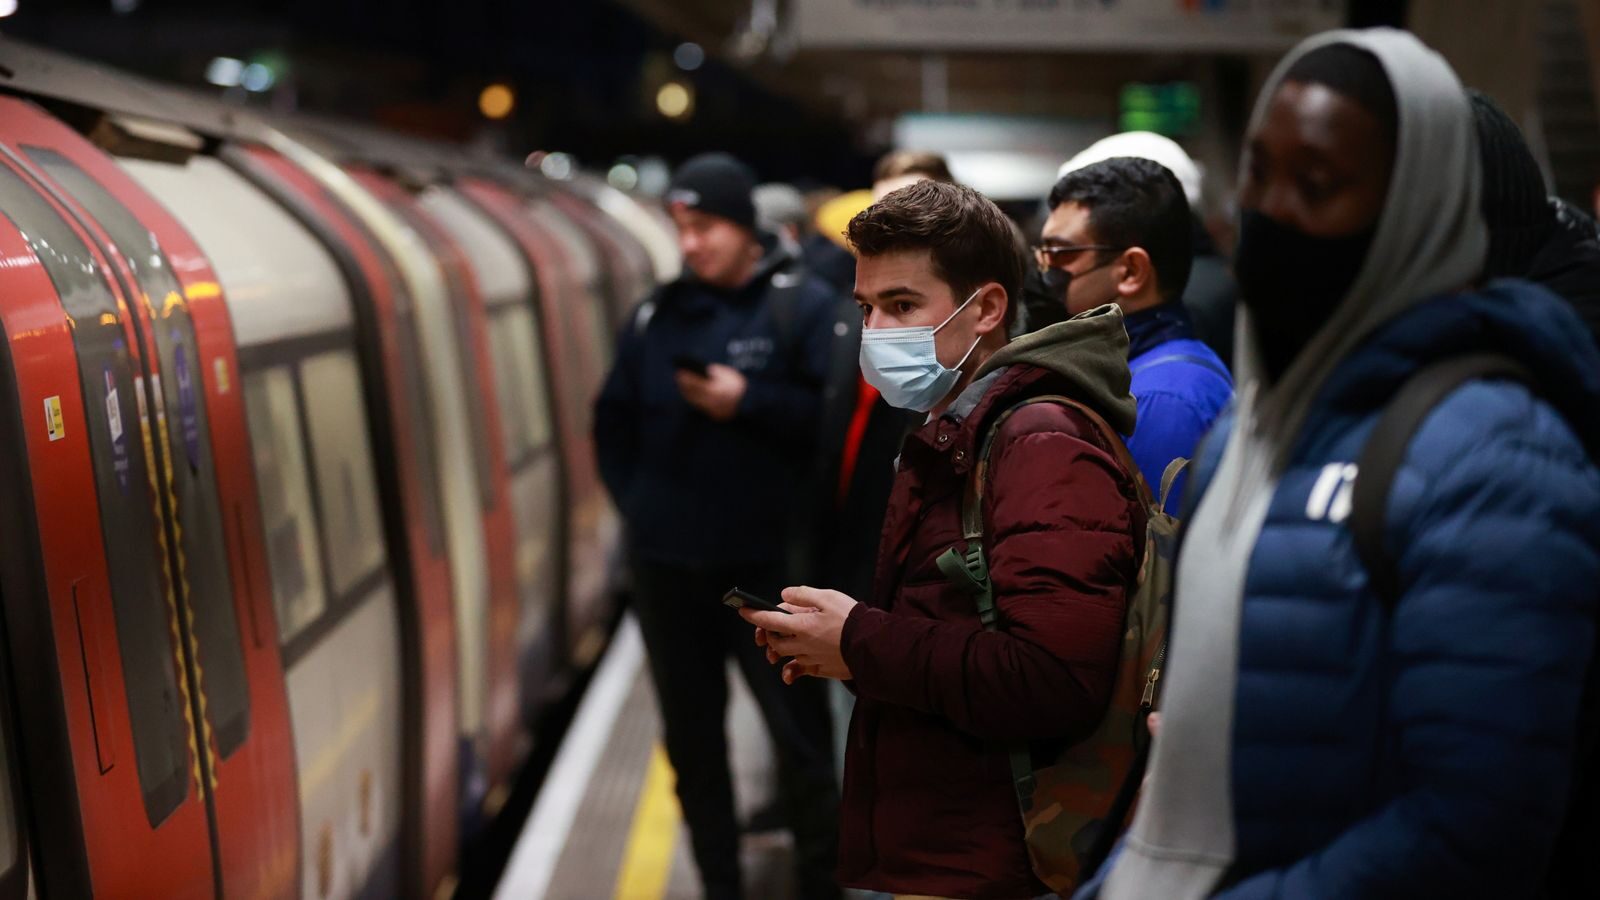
606	821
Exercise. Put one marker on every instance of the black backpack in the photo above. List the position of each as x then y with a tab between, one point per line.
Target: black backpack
1572	873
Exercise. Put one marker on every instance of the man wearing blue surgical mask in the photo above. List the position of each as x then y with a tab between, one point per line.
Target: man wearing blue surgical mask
928	807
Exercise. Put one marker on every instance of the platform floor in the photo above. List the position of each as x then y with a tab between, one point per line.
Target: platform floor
606	822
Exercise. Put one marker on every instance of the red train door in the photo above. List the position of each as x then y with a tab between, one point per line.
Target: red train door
181	323
388	323
94	621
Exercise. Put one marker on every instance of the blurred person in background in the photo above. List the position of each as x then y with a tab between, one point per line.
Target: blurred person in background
899	168
703	430
1376	694
1120	231
1211	292
781	212
1533	235
826	257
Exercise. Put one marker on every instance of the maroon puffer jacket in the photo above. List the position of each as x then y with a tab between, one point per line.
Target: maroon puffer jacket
928	806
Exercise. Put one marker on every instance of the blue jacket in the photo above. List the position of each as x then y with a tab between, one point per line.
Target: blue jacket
1424	752
1181	387
692	491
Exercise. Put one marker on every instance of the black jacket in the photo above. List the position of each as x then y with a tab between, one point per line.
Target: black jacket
692	491
1569	263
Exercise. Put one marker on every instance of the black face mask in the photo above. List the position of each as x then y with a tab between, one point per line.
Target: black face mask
1292	282
1044	297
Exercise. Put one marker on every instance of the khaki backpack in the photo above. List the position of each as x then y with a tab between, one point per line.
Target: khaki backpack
1076	801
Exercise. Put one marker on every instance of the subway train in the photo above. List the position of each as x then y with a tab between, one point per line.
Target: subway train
300	525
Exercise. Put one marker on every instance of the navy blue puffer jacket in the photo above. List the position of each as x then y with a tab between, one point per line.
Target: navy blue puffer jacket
1427	752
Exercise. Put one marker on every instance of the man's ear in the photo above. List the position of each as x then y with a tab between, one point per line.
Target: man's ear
1138	273
992	303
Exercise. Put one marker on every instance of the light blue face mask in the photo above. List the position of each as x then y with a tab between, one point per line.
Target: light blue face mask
903	364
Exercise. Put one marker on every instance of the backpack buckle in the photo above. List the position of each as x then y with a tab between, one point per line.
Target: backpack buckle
969	573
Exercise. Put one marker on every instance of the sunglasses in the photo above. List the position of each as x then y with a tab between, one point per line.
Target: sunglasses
1056	256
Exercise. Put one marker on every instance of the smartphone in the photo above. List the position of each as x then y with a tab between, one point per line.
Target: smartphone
738	599
691	364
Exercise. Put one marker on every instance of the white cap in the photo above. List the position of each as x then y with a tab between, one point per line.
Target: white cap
1144	145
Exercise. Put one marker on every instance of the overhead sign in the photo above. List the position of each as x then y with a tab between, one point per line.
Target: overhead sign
1169	25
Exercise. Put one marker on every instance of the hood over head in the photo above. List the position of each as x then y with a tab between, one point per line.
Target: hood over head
1090	352
1430	236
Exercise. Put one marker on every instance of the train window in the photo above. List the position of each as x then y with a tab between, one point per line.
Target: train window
205	560
519	376
289	519
342	461
475	401
419	408
130	519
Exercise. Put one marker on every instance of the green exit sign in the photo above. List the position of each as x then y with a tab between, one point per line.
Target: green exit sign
1172	109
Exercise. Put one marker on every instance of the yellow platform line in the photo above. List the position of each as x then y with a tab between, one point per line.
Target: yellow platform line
647	859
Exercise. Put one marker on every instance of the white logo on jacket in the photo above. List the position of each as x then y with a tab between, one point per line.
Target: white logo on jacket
750	354
1330	496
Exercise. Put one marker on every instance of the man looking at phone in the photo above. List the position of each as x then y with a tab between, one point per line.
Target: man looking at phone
928	804
702	430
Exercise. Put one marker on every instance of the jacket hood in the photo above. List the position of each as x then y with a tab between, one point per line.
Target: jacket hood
1089	352
1430	236
1516	318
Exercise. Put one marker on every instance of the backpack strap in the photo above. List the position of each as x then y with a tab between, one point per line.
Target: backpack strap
1385	451
1169	477
969	571
783	303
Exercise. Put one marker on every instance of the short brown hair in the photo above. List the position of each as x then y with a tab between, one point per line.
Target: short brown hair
896	163
970	240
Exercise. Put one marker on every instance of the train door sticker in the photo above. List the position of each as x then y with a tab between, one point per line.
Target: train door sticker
55	426
188	412
119	434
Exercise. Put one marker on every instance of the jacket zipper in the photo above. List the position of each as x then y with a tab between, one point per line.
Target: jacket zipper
1148	701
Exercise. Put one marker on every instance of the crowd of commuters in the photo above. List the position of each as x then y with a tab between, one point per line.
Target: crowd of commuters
1363	667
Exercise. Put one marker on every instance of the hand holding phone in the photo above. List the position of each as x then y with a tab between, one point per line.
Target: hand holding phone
741	599
688	363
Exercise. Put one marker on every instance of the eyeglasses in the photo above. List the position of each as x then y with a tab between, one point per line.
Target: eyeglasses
1056	256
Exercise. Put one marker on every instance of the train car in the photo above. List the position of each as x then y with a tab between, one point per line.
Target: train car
575	340
647	224
387	313
182	770
304	526
626	274
339	618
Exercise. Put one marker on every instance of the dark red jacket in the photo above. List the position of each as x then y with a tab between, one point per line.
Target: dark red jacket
928	806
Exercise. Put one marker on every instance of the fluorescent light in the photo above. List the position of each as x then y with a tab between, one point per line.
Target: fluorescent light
224	71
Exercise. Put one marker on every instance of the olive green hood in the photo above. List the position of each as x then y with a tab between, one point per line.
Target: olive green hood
1089	351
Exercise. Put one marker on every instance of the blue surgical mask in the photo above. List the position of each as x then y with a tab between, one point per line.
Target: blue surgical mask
903	364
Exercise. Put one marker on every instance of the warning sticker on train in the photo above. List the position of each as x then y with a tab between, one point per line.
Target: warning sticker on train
220	366
188	406
119	435
54	424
